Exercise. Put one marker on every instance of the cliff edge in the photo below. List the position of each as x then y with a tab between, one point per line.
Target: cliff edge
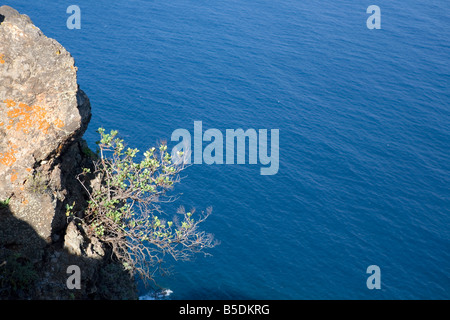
43	116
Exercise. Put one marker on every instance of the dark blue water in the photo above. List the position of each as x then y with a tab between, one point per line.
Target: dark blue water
364	120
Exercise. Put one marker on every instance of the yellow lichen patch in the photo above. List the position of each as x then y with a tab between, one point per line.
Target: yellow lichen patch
25	117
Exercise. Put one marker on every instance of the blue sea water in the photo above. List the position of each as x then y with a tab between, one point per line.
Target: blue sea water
364	120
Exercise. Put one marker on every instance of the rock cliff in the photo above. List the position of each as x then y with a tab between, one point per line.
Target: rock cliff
43	115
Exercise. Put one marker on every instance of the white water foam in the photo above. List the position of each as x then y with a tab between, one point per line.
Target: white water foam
157	295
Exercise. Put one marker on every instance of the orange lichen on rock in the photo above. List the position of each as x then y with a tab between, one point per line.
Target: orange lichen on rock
2	61
25	117
9	103
8	158
13	176
58	123
43	126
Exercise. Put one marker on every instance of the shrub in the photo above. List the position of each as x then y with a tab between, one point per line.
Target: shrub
38	183
4	203
124	211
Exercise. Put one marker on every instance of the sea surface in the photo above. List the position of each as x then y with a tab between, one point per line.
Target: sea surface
364	134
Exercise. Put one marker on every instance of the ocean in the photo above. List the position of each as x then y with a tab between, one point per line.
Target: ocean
364	134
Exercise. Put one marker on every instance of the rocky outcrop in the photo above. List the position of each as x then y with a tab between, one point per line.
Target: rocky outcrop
43	115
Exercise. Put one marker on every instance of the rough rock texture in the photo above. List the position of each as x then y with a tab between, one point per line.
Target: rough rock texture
42	111
43	115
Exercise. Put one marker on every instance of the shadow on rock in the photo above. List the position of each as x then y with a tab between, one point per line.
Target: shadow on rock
31	268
